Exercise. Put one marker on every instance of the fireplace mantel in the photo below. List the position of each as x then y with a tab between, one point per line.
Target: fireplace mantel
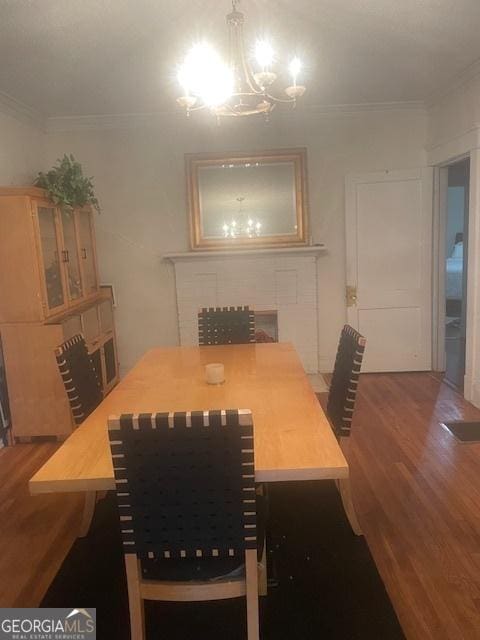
311	250
280	280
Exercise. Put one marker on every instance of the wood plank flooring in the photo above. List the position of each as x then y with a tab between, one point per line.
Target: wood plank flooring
416	489
36	532
417	493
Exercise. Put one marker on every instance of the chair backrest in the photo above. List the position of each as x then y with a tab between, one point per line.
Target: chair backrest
343	388
79	376
226	325
185	483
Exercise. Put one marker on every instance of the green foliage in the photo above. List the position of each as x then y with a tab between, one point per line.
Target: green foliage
67	186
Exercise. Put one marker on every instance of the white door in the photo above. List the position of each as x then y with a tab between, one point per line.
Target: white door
389	267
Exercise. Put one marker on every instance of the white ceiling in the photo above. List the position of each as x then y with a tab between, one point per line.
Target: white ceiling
88	57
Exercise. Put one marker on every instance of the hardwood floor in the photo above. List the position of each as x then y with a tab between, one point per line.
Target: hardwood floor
36	532
417	493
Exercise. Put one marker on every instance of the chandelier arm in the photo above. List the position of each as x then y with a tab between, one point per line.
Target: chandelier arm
237	46
198	107
249	75
246	94
268	96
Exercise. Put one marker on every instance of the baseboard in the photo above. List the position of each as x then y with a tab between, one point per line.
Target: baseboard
472	391
318	383
326	363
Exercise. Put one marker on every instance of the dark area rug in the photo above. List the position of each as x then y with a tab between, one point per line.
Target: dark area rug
328	585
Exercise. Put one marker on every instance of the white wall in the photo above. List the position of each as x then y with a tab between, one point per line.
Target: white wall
21	151
453	120
139	173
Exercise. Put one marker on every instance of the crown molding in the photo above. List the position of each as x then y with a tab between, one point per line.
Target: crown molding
56	124
461	79
10	106
449	149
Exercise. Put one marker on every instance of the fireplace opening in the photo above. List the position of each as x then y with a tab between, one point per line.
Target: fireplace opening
266	326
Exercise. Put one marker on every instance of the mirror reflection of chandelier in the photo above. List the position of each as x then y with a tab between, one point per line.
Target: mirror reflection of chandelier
243	226
234	88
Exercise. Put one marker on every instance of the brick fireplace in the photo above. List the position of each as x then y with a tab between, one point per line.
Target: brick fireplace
279	284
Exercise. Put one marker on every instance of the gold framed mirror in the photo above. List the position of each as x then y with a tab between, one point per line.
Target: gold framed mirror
246	200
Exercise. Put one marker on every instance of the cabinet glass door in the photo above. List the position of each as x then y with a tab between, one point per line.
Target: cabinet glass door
72	263
87	251
50	247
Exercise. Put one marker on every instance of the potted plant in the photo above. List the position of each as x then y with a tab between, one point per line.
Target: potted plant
67	186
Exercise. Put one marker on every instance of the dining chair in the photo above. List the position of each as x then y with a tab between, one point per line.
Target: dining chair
344	384
226	325
341	403
84	393
79	377
185	488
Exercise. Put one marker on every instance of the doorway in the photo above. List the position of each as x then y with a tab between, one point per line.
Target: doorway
455	265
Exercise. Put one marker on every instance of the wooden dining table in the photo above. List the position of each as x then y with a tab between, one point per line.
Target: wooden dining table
293	439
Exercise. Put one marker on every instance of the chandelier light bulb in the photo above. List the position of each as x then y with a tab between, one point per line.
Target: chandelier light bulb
205	75
219	89
183	79
264	54
295	67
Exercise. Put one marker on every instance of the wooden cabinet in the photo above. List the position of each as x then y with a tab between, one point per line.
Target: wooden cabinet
52	253
49	289
99	331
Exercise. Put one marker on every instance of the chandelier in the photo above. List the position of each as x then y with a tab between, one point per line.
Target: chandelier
244	226
236	87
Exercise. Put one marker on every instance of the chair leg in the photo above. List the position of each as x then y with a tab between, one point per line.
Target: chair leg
262	572
345	489
251	578
88	511
135	602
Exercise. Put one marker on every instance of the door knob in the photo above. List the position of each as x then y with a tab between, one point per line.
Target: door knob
351	295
